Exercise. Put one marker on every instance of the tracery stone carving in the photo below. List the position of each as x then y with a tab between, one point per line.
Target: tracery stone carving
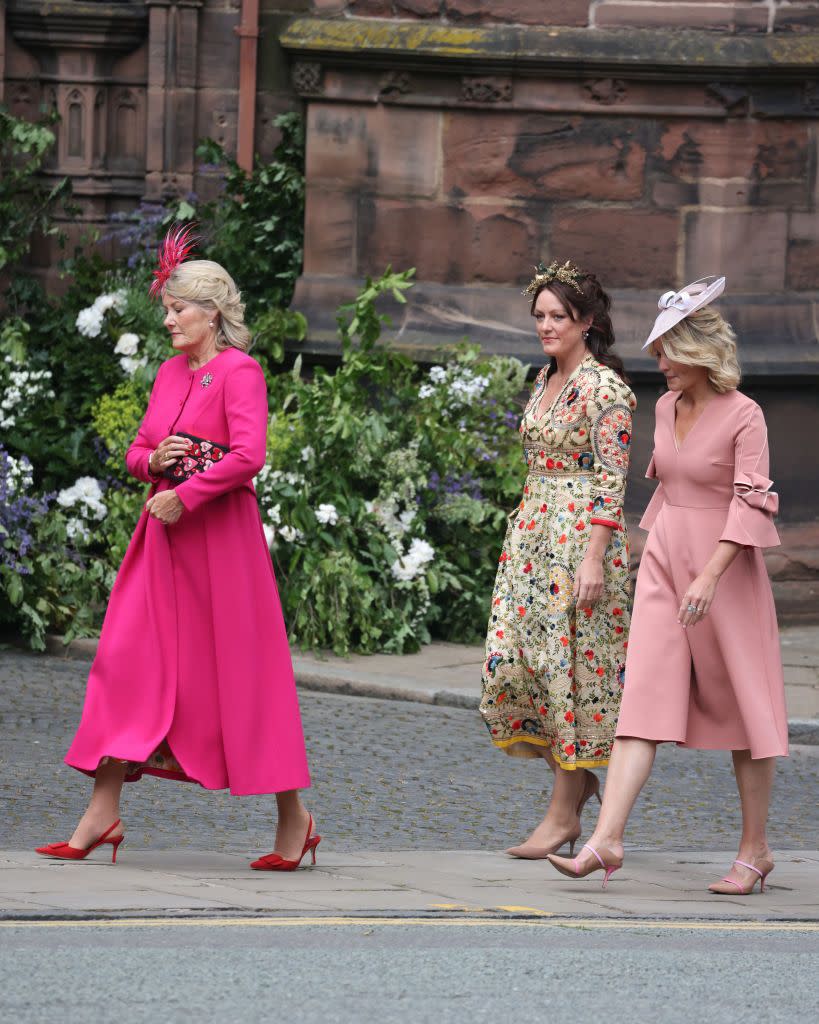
491	89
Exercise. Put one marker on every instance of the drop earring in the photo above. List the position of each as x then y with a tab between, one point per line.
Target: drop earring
585	335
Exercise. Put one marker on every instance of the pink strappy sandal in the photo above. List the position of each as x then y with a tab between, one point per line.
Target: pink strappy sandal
740	890
567	866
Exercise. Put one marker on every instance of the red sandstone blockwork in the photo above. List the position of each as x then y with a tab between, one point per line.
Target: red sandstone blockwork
803	251
451	244
391	150
517	156
625	248
740	148
720	17
748	245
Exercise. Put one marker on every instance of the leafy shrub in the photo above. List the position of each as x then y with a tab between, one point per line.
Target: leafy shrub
385	492
26	205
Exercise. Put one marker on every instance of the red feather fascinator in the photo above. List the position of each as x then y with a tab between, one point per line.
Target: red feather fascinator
176	246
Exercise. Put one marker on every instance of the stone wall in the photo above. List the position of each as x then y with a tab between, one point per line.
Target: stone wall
652	142
136	84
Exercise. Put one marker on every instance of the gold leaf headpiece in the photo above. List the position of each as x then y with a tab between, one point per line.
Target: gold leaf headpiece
568	273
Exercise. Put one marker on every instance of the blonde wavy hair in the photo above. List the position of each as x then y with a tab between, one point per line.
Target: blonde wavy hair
210	286
704	338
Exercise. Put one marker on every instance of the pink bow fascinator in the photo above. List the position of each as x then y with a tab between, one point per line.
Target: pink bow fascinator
676	306
174	248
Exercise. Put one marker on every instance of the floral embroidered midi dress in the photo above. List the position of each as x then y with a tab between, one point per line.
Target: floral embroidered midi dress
717	685
193	678
553	674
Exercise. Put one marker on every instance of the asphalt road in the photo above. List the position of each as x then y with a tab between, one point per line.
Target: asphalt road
394	974
386	775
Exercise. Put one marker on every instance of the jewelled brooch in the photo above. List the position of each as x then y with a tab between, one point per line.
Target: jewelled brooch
206	380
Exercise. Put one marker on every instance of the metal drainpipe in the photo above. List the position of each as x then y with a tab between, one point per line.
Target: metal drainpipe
248	32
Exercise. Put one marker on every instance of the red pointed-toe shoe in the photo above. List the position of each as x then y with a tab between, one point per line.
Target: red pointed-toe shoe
63	851
275	862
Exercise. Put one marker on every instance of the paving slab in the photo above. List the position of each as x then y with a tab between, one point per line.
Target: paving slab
650	885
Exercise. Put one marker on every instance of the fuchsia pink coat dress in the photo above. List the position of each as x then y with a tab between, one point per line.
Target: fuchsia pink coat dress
193	678
717	684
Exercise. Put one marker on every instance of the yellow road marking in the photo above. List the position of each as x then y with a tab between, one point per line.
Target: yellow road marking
527	910
430	922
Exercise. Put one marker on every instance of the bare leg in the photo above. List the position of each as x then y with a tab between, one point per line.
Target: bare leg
754	782
291	830
631	762
562	821
103	808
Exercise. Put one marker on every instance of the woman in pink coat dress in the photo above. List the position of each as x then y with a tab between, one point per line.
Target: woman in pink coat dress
703	668
193	678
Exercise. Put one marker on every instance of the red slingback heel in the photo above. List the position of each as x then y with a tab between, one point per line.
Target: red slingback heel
63	851
275	862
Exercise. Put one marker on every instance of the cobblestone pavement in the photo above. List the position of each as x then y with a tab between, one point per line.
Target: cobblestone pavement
387	775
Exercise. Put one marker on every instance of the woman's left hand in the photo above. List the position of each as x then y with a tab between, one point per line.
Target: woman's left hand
588	581
166	506
697	599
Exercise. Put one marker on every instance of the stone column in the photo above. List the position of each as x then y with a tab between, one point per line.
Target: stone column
173	46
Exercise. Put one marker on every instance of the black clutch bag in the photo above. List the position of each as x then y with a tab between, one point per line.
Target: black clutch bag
201	455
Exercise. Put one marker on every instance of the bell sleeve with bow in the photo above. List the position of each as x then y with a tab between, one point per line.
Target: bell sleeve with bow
657	498
750	515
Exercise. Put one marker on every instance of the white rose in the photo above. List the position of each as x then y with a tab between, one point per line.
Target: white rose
327	514
77	530
127	345
290	534
131	365
89	322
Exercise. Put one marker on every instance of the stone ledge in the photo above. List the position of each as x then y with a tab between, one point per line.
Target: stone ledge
495	317
640	52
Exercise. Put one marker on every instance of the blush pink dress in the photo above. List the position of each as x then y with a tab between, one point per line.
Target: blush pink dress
718	684
193	678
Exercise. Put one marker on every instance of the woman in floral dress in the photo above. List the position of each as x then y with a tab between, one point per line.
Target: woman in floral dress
558	627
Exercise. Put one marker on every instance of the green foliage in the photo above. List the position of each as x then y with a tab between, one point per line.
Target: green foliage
372	467
255	228
115	418
26	205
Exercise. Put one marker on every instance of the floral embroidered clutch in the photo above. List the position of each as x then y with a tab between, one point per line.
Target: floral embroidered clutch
201	455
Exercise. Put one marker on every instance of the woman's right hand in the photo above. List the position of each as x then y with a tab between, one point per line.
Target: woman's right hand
167	452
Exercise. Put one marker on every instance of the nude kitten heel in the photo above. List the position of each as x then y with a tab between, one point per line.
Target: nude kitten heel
572	868
738	889
526	851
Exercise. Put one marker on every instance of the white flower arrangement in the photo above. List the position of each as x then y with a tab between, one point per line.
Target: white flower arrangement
24	388
131	365
85	495
291	534
327	515
412	564
463	386
89	320
127	345
20	475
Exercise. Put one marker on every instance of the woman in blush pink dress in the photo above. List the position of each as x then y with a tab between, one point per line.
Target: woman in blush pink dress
193	678
703	667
